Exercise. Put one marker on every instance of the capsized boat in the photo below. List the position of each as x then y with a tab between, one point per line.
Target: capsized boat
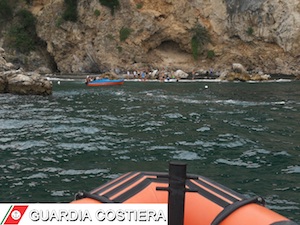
191	199
104	82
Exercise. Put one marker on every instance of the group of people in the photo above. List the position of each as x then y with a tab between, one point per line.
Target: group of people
89	79
137	75
155	74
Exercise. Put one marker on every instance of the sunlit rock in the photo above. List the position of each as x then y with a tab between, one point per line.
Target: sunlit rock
180	74
21	82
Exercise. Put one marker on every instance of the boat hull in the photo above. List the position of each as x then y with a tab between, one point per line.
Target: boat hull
209	203
104	82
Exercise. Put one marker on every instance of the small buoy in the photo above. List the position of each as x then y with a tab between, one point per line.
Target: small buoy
58	82
205	86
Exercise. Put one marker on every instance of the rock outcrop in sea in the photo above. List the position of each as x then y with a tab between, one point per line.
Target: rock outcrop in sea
17	81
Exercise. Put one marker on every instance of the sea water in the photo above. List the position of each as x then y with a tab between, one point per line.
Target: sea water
243	135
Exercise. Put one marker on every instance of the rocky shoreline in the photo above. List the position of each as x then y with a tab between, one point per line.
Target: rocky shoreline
236	74
18	81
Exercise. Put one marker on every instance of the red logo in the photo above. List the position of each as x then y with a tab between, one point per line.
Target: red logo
15	214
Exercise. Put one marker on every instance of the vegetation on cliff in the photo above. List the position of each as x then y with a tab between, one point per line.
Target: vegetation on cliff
199	39
6	12
124	33
112	4
70	13
20	24
22	34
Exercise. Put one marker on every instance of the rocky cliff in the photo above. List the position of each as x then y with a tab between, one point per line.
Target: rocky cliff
263	35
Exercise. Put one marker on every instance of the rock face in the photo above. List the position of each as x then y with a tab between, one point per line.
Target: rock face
262	35
20	82
239	73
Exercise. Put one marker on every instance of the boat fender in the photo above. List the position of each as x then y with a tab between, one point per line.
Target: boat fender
233	207
284	223
99	198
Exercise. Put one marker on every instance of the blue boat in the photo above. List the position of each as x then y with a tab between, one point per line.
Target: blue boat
103	82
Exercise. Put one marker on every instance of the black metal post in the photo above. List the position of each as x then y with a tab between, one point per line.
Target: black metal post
177	177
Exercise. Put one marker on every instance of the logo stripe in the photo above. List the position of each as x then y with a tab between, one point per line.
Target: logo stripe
6	214
16	214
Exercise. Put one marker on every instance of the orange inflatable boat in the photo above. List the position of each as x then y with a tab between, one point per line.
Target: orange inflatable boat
192	199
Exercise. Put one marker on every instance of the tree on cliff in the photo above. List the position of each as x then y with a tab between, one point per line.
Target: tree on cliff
199	39
22	34
6	12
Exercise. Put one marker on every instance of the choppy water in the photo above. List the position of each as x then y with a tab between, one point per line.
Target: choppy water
243	135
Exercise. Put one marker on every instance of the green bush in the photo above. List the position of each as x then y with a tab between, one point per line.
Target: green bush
97	12
27	20
250	31
199	39
195	47
59	21
6	12
124	33
211	54
112	4
70	13
139	5
20	39
22	34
